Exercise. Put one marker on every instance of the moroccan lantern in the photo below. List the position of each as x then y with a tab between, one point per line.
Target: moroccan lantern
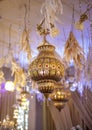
46	69
24	96
59	97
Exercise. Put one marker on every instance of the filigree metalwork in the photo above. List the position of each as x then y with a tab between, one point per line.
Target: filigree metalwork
46	69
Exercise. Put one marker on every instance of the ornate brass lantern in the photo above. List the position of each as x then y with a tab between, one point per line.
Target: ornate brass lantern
59	97
46	69
24	96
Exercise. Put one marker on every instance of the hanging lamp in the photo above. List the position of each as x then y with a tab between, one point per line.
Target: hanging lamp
46	69
60	96
24	96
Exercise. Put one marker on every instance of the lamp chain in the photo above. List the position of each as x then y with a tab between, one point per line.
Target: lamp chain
10	36
73	20
25	17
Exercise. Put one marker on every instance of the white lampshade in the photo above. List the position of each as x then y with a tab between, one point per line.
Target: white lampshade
9	86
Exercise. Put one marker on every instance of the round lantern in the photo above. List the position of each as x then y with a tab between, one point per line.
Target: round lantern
59	97
46	69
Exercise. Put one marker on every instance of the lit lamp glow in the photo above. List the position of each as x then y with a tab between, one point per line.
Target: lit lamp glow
24	105
46	70
59	97
15	114
9	86
24	96
7	123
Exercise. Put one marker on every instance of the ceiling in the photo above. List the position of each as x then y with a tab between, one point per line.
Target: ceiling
12	13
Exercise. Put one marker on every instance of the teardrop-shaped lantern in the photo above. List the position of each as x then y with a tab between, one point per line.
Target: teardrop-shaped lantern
46	69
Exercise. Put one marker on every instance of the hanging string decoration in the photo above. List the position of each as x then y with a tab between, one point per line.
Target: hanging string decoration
25	46
9	56
50	10
1	77
19	75
73	51
2	61
88	68
6	61
83	17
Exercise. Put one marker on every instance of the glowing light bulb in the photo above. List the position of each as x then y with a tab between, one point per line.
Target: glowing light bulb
9	86
73	87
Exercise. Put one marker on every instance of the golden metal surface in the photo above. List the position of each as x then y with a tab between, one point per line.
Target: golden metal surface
46	69
46	65
60	95
46	86
24	96
59	105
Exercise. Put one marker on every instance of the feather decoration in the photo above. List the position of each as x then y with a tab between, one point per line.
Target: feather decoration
73	51
8	58
79	26
50	10
19	75
25	46
1	76
2	62
54	32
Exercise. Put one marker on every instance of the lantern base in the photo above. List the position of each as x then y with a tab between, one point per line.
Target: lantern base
59	105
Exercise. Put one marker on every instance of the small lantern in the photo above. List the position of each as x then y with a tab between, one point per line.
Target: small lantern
59	97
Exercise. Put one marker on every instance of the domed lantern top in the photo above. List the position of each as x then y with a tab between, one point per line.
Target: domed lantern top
46	50
47	65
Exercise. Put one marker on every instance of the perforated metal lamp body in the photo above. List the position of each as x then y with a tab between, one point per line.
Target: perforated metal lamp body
46	69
